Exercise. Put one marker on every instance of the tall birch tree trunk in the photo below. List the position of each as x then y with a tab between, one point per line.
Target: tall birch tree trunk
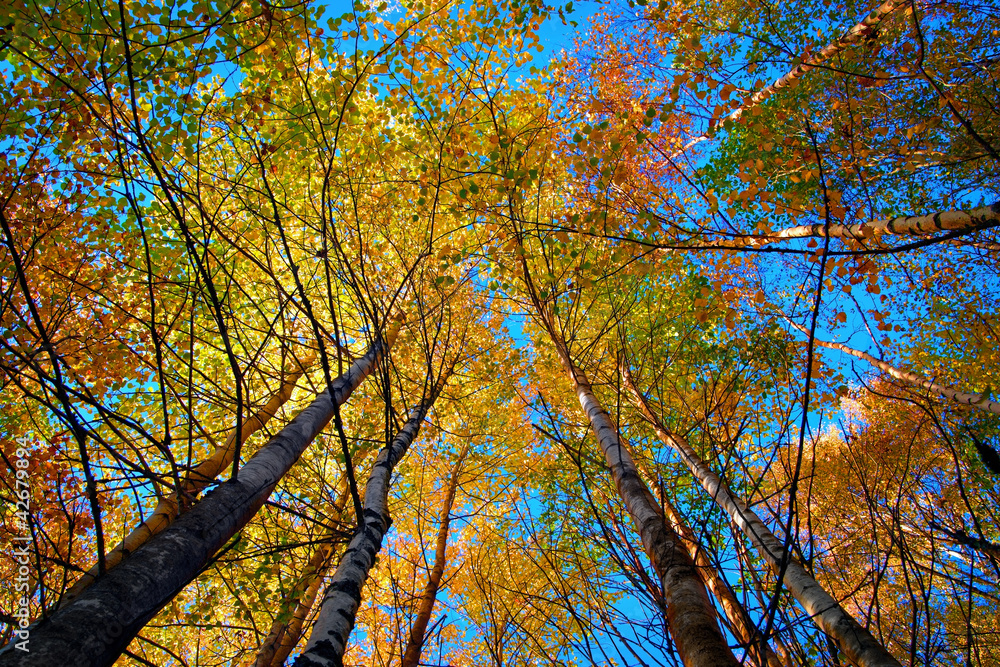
284	634
95	629
690	615
860	647
863	29
415	639
911	225
955	221
866	27
980	401
740	623
328	639
194	482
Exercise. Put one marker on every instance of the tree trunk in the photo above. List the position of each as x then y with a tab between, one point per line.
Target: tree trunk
415	641
740	623
863	29
984	217
96	628
328	639
287	637
913	225
980	401
866	27
690	615
860	647
193	483
284	635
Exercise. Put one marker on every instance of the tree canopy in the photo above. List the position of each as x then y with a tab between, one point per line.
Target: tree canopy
500	334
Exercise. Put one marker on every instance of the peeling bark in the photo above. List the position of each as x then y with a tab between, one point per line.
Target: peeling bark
95	629
328	639
860	647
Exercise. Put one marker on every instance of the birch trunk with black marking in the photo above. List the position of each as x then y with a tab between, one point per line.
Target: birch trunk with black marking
194	482
328	639
415	639
690	615
95	629
285	634
860	31
740	623
985	217
866	27
860	647
980	401
688	611
911	225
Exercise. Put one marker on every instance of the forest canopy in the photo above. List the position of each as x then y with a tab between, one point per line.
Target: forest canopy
500	334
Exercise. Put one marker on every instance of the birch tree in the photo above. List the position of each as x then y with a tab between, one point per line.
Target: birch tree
98	625
857	643
329	635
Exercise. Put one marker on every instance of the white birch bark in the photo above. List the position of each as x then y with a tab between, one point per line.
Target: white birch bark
94	629
690	615
860	647
339	608
284	635
980	401
740	623
913	225
852	36
984	217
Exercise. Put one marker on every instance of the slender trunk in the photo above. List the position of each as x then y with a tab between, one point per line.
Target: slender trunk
866	27
984	217
289	639
193	483
690	615
282	631
980	401
415	641
285	634
860	647
913	225
293	633
789	649
740	623
863	29
333	626
958	222
96	628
